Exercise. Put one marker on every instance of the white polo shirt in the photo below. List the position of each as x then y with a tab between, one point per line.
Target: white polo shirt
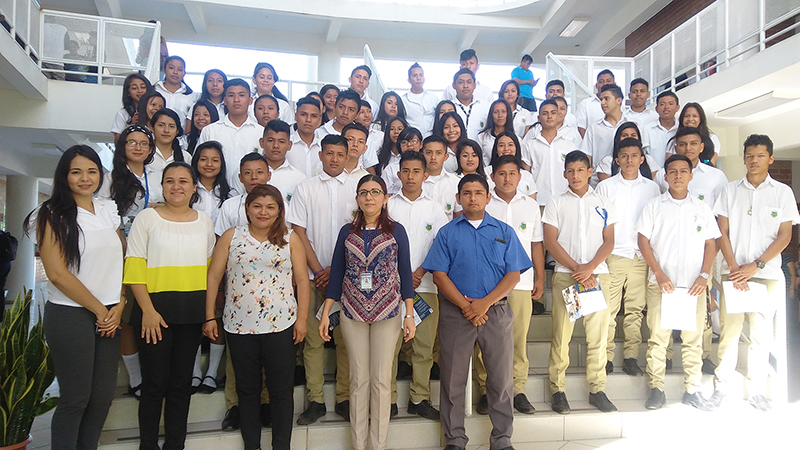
389	175
571	120
677	231
481	91
486	141
521	214
159	162
422	219
754	217
231	214
372	102
707	183
598	142
374	143
286	178
303	157
358	173
209	201
474	115
121	121
629	198
547	164
442	189
522	119
322	205
580	222
641	119
236	142
420	110
655	138
285	110
589	111
178	101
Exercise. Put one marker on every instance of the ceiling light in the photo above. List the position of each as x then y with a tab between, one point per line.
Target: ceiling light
754	106
574	27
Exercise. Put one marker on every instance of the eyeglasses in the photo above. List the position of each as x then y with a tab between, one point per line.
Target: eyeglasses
143	144
374	193
414	141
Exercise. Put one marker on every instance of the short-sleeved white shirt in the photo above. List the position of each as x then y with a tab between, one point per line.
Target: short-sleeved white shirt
580	222
588	112
121	121
522	119
322	205
286	178
159	162
629	198
389	175
707	183
754	218
357	174
547	164
572	121
420	110
655	138
641	119
677	231
442	189
150	181
521	214
486	141
179	101
481	91
598	142
208	202
474	115
236	142
231	214
326	129
422	219
303	157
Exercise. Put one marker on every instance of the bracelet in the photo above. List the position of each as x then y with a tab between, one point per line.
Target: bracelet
319	272
209	320
408	316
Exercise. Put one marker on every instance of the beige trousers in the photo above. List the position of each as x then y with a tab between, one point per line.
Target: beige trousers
313	351
630	275
421	355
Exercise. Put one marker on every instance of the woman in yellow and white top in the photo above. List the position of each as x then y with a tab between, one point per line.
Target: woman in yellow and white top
168	252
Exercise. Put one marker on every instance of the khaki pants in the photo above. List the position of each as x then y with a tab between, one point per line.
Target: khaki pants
422	353
596	337
691	347
761	338
313	355
521	306
371	355
629	275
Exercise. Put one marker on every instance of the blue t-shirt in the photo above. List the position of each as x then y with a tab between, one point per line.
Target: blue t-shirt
525	90
476	259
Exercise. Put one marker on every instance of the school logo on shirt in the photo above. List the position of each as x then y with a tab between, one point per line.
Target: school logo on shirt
701	197
563	156
523	226
255	149
428	227
774	214
482	124
699	228
288	197
448	207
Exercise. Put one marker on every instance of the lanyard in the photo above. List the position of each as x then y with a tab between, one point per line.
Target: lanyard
468	113
146	189
603	214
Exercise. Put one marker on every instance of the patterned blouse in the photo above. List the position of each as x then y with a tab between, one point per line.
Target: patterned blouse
259	298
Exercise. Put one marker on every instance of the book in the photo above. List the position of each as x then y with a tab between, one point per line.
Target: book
421	309
581	302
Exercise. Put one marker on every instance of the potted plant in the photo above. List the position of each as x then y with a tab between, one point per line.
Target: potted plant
26	370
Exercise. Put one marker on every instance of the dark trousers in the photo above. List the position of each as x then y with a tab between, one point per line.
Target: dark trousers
274	353
457	338
527	103
167	378
86	367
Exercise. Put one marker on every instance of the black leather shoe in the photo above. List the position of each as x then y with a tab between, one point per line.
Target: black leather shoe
522	404
600	401
231	420
560	403
669	364
482	407
709	367
609	367
435	371
630	367
759	402
696	400
656	400
393	411
266	415
312	413
404	370
538	308
343	409
717	398
423	409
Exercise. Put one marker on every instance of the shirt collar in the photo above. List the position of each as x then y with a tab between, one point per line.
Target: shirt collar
488	220
495	196
249	121
401	195
744	182
657	124
590	191
283	166
341	178
296	138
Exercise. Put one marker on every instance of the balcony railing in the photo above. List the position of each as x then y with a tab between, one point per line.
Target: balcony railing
21	19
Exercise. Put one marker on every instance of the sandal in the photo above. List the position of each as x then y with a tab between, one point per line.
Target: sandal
197	386
206	388
136	392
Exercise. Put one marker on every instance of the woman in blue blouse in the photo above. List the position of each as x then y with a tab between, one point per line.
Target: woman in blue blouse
371	274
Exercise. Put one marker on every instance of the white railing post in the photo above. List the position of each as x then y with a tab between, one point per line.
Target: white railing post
697	62
762	45
727	34
101	49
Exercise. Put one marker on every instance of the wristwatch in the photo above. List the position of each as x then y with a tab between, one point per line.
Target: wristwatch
760	264
704	275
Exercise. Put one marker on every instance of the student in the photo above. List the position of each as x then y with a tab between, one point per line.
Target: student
264	79
469	156
473	111
522	119
422	218
265	109
521	213
523	76
320	206
359	82
347	107
570	131
391	106
150	102
755	215
365	115
476	310
208	163
555	88
204	113
388	153
638	111
545	153
499	120
329	94
420	103
167	130
238	132
409	140
133	88
451	128
469	60
579	234
598	139
693	115
628	191
590	110
253	171
214	89
276	143
356	135
608	166
262	334
658	133
677	235
442	108
304	154
178	95
508	144
440	185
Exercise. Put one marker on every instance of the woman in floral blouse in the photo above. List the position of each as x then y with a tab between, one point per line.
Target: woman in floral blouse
262	319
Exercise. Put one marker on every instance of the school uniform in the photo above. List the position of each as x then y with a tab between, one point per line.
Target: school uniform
371	102
486	140
442	189
420	110
151	183
121	121
677	231
159	162
474	115
481	91
231	214
522	119
640	118
304	157
374	143
236	142
526	186
389	175
326	129
656	138
547	164
607	161
626	266
286	178
589	111
598	141
706	185
754	215
178	101
285	110
209	202
571	120
358	173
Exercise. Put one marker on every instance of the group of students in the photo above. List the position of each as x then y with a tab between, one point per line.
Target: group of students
265	219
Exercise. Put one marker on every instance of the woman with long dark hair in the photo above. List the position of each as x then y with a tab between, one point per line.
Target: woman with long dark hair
452	129
329	93
391	106
167	131
608	166
81	250
498	121
264	79
204	113
149	103
693	115
371	275
178	95
507	143
388	148
521	118
133	88
214	90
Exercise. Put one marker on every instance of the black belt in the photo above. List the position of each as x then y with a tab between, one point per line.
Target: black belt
501	302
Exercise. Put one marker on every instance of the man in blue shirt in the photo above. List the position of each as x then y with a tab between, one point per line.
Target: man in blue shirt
524	77
476	261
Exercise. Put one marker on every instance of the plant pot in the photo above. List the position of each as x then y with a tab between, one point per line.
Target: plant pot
20	446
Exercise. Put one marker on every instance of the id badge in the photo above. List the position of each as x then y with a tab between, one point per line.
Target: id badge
366	281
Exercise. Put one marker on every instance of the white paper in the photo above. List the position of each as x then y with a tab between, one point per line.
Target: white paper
754	300
679	310
592	301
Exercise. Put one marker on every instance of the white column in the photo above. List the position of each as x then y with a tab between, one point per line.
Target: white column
21	198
